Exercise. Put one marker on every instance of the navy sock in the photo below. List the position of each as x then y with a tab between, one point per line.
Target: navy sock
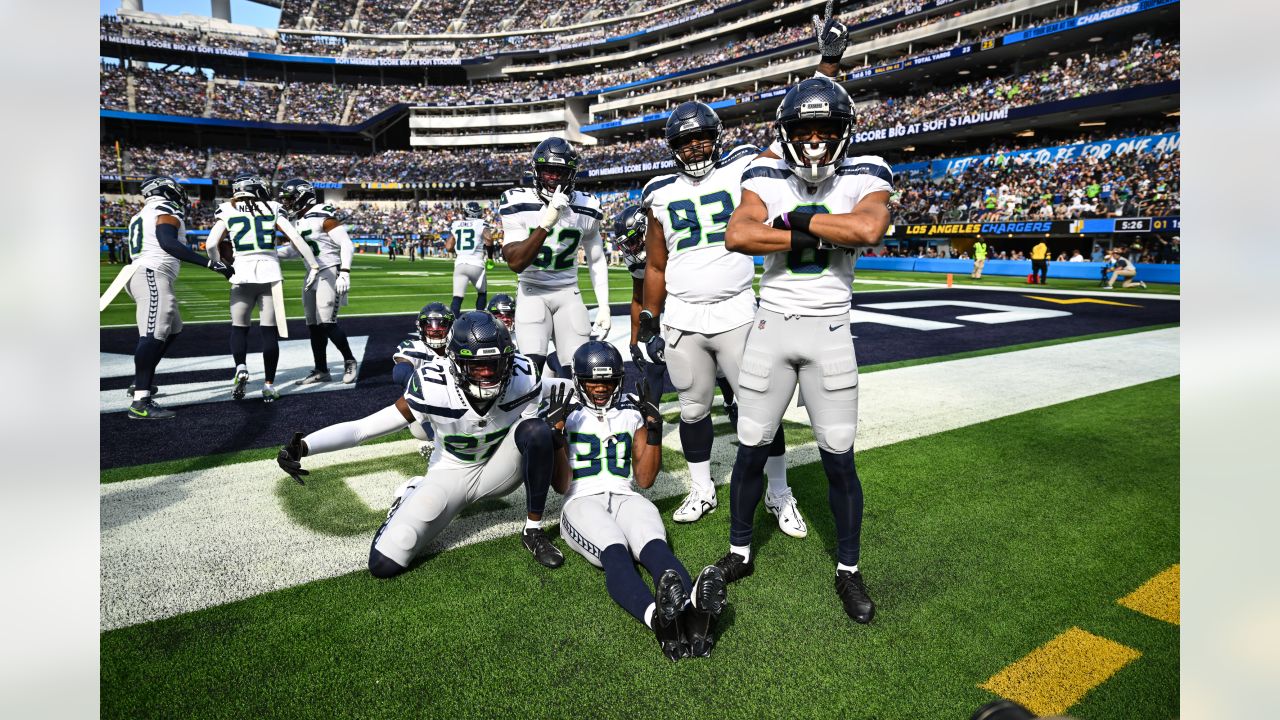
657	558
482	301
239	344
146	356
746	486
168	343
696	438
540	361
319	338
533	438
625	585
779	444
270	353
844	492
338	337
455	306
726	390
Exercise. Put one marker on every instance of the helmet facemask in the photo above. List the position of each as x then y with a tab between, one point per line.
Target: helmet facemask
631	238
553	175
483	376
814	147
696	150
435	331
600	392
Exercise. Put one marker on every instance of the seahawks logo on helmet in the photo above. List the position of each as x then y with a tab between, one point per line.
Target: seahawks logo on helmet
248	185
473	210
297	196
162	186
690	122
503	307
481	355
434	323
814	125
597	376
555	165
629	227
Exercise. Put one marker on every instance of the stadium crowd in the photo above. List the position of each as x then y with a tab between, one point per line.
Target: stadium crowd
246	100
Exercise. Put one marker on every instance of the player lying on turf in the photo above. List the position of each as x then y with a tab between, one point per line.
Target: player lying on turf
601	440
482	404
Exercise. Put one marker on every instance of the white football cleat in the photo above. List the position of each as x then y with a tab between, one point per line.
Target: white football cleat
695	506
349	372
789	519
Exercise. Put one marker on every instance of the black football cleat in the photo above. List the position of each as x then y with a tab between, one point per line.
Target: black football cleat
537	542
853	593
668	616
709	600
147	409
734	567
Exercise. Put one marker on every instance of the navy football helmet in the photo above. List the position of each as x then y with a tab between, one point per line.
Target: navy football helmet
297	196
434	322
473	210
481	355
528	178
598	362
165	187
503	307
629	227
555	164
248	185
692	121
814	125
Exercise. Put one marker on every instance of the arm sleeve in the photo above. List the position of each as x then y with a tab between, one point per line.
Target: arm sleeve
350	434
216	233
597	266
291	233
346	248
286	252
167	235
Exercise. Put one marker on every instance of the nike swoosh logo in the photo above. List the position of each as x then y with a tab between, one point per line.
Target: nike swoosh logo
139	414
833	328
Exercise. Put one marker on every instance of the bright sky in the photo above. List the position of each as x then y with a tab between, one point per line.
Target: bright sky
242	11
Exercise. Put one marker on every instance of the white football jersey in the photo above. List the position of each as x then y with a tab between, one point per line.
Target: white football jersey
253	238
556	265
463	436
600	449
701	274
413	350
143	244
635	265
311	227
468	241
812	282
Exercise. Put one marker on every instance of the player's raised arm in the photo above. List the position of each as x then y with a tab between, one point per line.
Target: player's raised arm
520	254
863	226
749	233
646	445
655	266
833	38
342	436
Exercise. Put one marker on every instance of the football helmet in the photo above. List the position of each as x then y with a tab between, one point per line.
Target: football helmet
248	185
527	178
480	355
690	121
814	125
473	210
629	227
555	164
434	322
597	361
503	307
297	196
162	186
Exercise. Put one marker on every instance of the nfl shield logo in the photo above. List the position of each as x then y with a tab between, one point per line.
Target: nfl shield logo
760	326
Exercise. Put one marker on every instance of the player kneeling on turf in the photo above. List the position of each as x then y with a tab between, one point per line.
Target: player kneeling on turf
600	437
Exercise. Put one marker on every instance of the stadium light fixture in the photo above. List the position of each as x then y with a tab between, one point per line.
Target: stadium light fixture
1175	113
1095	39
909	148
1025	133
1053	53
1092	123
962	72
991	67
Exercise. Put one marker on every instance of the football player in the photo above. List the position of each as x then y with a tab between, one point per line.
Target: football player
319	226
473	242
703	293
250	220
158	244
602	441
809	213
481	401
543	227
503	307
428	345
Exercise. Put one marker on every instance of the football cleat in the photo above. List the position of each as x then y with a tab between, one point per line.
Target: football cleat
695	505
789	519
270	394
348	372
147	409
668	616
238	384
537	542
853	593
734	567
316	376
129	393
709	600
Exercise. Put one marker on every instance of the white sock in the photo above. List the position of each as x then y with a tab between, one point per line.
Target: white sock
743	550
532	524
701	475
139	395
267	386
241	367
851	568
648	614
776	470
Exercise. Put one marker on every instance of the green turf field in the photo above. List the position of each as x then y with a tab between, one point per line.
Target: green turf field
379	286
1006	281
979	545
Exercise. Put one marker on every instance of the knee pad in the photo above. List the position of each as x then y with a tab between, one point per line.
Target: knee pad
751	433
694	411
416	430
383	567
836	439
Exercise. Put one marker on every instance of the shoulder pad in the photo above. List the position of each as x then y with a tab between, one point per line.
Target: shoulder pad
738	154
655	184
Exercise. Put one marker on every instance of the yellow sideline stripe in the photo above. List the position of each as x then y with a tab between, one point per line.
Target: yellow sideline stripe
1077	301
1158	597
1054	676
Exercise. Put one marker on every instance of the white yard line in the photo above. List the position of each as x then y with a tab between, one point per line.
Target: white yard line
179	543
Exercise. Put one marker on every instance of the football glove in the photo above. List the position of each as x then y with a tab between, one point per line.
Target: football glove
555	210
290	458
488	264
603	323
221	268
312	275
649	392
343	283
637	356
833	35
558	406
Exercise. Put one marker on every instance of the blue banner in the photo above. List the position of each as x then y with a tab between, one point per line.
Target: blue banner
1082	20
1158	144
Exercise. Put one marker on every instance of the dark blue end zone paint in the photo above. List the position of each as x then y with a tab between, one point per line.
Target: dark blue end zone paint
221	427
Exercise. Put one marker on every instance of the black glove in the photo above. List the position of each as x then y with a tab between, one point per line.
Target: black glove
833	35
290	458
221	268
801	238
559	405
648	395
638	357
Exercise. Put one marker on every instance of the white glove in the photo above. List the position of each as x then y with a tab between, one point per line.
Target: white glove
555	211
311	278
603	322
344	283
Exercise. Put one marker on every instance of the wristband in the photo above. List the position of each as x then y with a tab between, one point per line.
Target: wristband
831	59
653	433
344	270
648	326
558	440
803	241
799	221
